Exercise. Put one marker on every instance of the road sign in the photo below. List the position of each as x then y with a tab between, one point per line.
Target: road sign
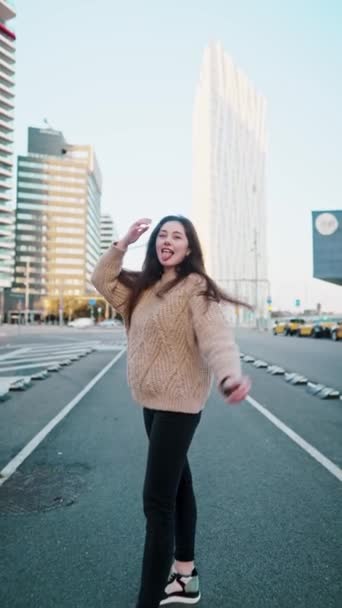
297	303
92	302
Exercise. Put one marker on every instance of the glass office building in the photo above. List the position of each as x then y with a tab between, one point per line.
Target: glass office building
57	231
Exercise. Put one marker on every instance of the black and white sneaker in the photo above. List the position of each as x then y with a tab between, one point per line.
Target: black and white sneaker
182	589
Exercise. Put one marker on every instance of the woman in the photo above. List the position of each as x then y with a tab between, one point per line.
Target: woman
177	336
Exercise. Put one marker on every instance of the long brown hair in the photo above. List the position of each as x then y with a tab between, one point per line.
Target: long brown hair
152	269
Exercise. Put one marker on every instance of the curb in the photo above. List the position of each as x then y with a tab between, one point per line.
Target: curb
313	388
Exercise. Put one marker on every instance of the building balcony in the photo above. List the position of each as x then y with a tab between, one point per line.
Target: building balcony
7	56
7	244
7	38
6	220
6	79
5	160
6	115
6	92
7	68
5	173
5	196
3	207
4	138
6	127
7	10
6	149
7	104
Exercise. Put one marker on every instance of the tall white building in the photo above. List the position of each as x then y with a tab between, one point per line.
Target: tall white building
108	232
7	74
229	202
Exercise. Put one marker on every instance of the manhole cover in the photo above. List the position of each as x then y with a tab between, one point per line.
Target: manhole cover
43	488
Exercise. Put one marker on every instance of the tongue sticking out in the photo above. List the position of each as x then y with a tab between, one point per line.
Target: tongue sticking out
166	255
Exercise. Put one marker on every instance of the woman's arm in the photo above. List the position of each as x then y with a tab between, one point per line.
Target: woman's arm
105	278
214	336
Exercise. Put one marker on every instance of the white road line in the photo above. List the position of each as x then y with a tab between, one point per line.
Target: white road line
31	365
307	447
14	353
36	358
12	466
68	345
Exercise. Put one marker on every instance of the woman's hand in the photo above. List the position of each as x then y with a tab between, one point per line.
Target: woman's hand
134	232
235	389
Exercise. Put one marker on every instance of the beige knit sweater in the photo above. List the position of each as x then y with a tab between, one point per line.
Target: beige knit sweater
175	342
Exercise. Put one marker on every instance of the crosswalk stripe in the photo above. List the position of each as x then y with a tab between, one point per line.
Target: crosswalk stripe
51	347
42	360
33	366
15	352
42	356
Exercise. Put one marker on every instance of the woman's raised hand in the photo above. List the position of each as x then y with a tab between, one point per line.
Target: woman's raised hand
135	232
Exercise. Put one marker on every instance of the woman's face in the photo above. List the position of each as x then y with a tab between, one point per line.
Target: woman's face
172	244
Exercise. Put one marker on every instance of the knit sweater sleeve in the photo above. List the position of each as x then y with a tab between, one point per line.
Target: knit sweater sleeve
105	279
215	337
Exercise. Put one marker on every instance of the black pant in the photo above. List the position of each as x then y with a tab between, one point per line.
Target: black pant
169	501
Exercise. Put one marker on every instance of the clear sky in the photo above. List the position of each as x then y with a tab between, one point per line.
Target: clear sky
122	76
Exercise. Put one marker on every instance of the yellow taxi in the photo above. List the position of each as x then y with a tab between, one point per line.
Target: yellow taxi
279	326
324	326
336	331
288	326
307	328
293	326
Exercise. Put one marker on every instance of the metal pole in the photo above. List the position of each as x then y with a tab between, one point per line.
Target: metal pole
61	304
27	291
106	310
256	277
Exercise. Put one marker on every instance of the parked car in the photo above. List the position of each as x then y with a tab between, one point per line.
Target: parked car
81	323
336	331
279	326
292	326
307	328
288	326
323	327
109	323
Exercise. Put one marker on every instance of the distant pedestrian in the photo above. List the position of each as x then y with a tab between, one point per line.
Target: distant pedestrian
177	337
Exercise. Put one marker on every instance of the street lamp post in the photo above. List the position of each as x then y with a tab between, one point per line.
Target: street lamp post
27	291
61	304
256	276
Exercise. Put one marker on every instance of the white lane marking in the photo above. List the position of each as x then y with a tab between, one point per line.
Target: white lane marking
307	447
12	466
58	352
14	353
36	358
32	365
60	345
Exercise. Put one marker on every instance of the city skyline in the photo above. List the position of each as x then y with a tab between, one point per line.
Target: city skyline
136	109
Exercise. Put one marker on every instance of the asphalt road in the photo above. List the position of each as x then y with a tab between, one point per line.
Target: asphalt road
269	514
